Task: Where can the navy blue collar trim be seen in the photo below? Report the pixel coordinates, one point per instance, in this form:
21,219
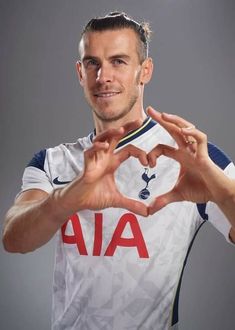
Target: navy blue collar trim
147,124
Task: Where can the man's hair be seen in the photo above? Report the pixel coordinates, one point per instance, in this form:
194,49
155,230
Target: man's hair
120,20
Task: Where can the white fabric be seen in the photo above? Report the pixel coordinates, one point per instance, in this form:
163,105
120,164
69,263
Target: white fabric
121,286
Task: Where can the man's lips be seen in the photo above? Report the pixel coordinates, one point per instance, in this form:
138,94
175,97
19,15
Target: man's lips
106,94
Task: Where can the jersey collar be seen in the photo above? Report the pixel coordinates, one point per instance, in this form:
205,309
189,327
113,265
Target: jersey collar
147,124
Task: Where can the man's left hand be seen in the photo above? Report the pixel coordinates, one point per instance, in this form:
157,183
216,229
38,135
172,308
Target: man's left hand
200,180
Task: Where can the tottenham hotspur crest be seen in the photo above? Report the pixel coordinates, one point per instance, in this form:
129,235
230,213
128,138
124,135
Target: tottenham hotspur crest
145,193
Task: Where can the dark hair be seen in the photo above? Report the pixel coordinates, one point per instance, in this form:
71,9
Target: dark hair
120,20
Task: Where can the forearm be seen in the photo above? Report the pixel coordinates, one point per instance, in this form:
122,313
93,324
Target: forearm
222,191
31,224
228,208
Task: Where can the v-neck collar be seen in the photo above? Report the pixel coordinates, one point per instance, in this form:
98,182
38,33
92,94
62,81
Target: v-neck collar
147,124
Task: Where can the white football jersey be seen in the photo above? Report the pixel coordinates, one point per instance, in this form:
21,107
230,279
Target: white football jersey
115,269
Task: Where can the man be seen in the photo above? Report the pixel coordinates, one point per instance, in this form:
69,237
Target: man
111,197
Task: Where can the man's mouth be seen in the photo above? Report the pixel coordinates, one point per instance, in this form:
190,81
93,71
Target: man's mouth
106,94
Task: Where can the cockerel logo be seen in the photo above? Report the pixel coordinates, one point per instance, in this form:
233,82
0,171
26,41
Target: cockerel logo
145,193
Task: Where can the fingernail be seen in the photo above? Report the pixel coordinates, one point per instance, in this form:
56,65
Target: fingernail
167,114
188,128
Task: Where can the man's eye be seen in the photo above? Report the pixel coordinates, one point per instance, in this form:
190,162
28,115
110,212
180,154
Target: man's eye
91,63
118,61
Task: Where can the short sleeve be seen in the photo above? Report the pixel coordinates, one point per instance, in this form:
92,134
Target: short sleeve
36,174
210,211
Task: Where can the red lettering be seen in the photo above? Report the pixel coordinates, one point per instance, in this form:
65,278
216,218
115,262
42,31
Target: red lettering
117,240
137,240
98,234
77,238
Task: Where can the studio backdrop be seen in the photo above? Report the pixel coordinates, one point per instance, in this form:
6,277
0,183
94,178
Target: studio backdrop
42,105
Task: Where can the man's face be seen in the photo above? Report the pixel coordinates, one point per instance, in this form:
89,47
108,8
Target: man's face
111,73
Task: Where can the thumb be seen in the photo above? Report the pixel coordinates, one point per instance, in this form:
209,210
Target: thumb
163,200
133,206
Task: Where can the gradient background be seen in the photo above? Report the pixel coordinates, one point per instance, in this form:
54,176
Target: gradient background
41,105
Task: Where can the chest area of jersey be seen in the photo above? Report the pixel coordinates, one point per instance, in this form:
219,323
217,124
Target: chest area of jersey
131,178
119,233
115,232
145,183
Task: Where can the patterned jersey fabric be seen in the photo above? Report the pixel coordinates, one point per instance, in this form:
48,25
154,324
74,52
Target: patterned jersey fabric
115,269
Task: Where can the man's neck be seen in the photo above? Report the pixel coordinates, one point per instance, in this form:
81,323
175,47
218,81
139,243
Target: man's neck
101,126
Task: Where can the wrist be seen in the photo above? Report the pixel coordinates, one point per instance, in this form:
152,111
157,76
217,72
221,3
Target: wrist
53,206
220,186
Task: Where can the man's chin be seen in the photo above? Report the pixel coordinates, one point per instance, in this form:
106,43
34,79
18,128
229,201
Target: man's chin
109,115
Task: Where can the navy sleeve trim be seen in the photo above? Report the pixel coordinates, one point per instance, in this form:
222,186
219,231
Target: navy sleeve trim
38,160
202,211
218,156
221,160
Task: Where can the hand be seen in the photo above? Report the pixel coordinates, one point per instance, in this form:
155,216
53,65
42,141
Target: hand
200,180
95,188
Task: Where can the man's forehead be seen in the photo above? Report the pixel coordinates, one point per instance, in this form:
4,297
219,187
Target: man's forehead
119,39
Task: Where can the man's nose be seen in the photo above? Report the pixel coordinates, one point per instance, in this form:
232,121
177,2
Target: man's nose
104,74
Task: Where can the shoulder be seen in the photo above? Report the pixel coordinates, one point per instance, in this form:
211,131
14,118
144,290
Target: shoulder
59,152
38,160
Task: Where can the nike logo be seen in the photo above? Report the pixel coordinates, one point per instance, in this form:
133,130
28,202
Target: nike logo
56,181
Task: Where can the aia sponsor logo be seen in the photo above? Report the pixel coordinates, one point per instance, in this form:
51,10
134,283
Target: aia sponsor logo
117,240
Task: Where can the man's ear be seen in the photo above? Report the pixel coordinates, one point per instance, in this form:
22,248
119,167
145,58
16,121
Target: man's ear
79,72
146,71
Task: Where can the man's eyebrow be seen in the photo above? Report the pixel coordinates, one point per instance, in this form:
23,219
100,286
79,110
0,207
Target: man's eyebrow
89,57
123,56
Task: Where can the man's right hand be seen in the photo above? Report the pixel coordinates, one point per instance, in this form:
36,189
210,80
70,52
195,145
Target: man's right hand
95,188
36,216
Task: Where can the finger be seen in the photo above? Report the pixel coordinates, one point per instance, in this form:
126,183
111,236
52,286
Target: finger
100,145
133,206
153,113
132,125
114,135
118,132
109,134
96,147
174,119
163,200
177,120
127,129
159,150
185,126
133,151
199,137
173,129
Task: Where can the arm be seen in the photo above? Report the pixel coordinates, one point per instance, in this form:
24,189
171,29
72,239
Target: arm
223,190
36,216
31,221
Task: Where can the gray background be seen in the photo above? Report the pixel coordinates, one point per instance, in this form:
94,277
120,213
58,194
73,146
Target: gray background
41,104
